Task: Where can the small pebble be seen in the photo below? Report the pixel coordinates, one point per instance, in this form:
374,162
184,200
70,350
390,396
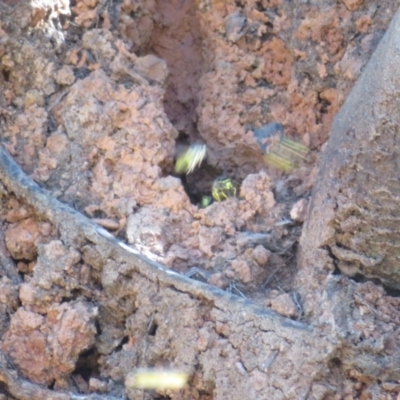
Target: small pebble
284,305
261,255
299,210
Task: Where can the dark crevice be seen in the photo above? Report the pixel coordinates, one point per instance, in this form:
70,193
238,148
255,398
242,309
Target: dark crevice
199,183
81,73
153,329
81,293
6,75
391,291
3,388
74,294
87,365
335,362
51,385
360,278
259,6
124,341
334,259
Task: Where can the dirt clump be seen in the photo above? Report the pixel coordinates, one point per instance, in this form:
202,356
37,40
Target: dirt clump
47,349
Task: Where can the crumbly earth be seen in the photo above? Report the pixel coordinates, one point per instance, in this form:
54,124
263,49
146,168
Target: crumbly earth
97,99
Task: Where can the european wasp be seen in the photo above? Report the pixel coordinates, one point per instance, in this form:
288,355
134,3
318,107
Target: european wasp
190,159
279,151
224,187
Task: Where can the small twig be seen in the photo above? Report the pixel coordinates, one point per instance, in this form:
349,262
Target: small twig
279,286
57,101
286,249
270,360
232,287
285,221
198,274
269,279
296,299
150,324
247,239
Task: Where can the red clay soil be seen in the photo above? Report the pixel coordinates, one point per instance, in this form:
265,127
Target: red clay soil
96,100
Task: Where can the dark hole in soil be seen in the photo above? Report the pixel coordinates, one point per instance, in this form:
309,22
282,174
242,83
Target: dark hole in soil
391,292
51,386
177,39
6,75
74,294
336,271
87,364
153,329
3,388
199,183
335,362
99,214
359,278
259,6
81,73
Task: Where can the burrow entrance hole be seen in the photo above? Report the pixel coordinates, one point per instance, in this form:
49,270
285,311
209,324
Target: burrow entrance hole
177,38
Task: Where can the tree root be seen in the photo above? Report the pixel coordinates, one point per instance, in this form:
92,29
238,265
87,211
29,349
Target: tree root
137,280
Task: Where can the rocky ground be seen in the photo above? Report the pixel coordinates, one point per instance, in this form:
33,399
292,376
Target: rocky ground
97,100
